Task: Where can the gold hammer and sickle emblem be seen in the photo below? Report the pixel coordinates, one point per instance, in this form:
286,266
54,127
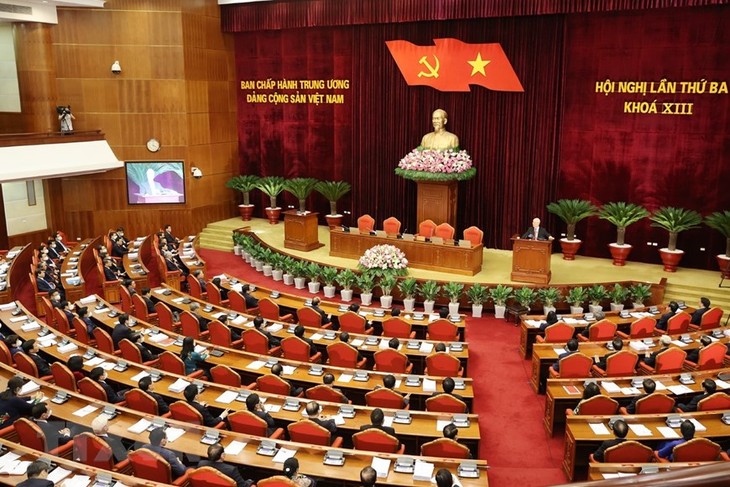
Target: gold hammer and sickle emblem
433,72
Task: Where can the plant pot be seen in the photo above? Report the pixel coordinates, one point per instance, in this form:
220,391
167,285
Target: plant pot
313,287
723,261
499,310
246,256
288,279
670,259
253,262
386,301
329,291
617,307
346,295
366,299
594,308
273,215
619,253
547,309
236,250
277,274
476,310
428,306
259,266
409,305
334,221
300,282
570,248
267,270
576,310
454,308
638,305
246,212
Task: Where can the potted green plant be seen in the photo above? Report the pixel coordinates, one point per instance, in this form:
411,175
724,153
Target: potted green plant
277,264
408,288
312,271
333,191
366,283
640,293
525,296
272,186
618,294
674,220
499,295
576,297
571,212
430,291
329,274
596,294
266,255
237,243
299,271
245,184
549,296
288,266
720,221
477,294
621,215
387,282
453,290
256,257
346,278
301,188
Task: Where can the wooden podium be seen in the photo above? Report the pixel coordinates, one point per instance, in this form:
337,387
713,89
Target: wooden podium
301,231
531,260
436,200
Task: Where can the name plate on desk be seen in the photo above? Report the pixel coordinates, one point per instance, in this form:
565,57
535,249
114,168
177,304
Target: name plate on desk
437,240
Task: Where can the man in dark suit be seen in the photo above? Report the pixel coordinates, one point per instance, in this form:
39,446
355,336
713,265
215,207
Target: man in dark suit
121,330
83,313
202,322
299,332
147,298
451,432
98,375
223,291
51,250
572,347
37,475
64,306
30,347
109,274
617,344
345,338
191,393
157,443
694,354
704,308
118,249
60,246
147,355
215,460
277,370
314,414
56,433
448,386
620,429
100,428
649,387
259,323
661,323
253,404
710,388
251,302
389,383
666,449
536,232
198,274
377,418
650,358
326,319
146,385
171,239
44,285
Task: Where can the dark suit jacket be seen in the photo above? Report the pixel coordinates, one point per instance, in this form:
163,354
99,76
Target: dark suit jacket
270,421
147,356
36,483
224,293
111,394
203,285
693,355
120,453
150,304
121,332
90,325
542,233
53,438
273,341
109,274
177,467
45,286
325,318
598,454
692,405
661,323
162,406
53,253
171,240
556,365
251,302
604,359
328,424
697,315
631,408
651,360
41,364
118,251
208,419
171,265
227,470
388,429
312,348
14,407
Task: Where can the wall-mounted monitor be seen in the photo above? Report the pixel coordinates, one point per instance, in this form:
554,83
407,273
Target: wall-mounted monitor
155,182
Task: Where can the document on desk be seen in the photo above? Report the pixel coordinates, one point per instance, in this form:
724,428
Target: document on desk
679,389
28,387
618,475
381,466
599,429
178,300
283,455
441,424
69,347
235,447
679,343
357,342
140,426
667,432
239,320
610,386
272,408
58,474
158,337
317,336
227,397
559,351
178,386
640,430
288,369
721,384
533,323
339,420
275,327
7,458
383,345
423,471
94,361
630,391
660,386
101,310
429,385
344,378
173,433
256,365
16,467
160,291
85,411
425,347
698,426
139,376
388,420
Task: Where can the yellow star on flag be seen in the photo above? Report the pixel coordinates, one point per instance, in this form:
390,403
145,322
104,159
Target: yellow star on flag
478,64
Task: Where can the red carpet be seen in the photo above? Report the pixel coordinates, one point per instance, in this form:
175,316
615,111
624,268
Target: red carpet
514,441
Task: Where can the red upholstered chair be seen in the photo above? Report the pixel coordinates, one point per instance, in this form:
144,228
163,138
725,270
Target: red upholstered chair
62,324
694,450
222,374
171,278
474,235
191,326
445,403
221,335
677,324
182,411
209,477
38,294
82,333
47,308
169,362
248,423
442,330
270,310
26,365
711,357
574,365
398,327
214,296
256,342
139,400
710,319
140,310
626,452
444,231
294,348
352,322
619,364
342,354
131,353
92,389
5,356
443,365
445,448
32,436
557,333
601,331
385,398
273,384
237,302
149,465
126,300
63,377
104,341
277,481
641,328
599,405
310,318
326,393
165,318
195,289
426,228
94,451
390,360
391,226
670,361
306,431
654,403
718,401
110,289
366,223
378,441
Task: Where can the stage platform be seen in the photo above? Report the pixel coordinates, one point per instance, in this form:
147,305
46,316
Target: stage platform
685,284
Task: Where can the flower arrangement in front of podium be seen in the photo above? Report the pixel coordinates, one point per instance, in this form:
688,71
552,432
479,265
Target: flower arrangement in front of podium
384,259
436,165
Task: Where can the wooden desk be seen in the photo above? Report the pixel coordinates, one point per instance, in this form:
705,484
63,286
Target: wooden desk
16,272
188,252
134,265
580,441
79,262
531,260
603,471
301,231
421,255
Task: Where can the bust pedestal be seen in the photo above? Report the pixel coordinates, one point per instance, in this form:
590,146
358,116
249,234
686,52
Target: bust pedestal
436,200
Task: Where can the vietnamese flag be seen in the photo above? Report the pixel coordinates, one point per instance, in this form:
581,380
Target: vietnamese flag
452,65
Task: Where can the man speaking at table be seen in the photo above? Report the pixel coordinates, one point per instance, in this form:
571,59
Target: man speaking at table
536,232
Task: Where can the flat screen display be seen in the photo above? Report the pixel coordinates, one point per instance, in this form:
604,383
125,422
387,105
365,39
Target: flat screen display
155,182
